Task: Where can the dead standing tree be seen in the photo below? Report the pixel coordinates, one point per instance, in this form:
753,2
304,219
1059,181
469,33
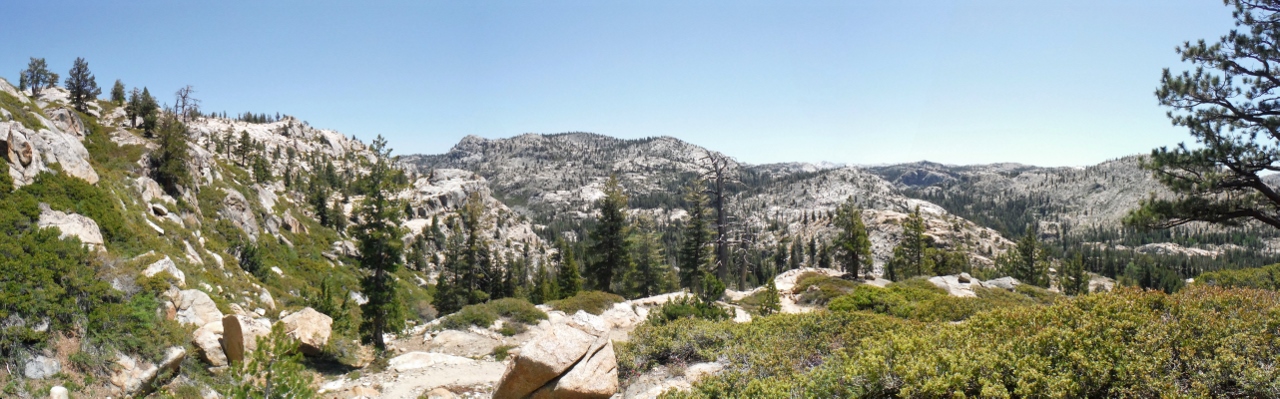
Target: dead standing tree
716,171
185,104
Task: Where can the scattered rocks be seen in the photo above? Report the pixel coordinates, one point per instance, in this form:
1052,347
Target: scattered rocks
310,328
41,367
166,265
71,225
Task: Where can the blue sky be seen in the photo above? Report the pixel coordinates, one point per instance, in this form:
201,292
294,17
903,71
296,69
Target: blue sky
864,82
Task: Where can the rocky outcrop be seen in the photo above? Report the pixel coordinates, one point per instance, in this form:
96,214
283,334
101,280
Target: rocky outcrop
1008,283
67,121
236,209
310,328
135,377
71,225
595,376
959,285
194,307
166,265
31,152
571,359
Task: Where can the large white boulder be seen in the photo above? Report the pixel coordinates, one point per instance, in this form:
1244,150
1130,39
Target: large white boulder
462,343
542,359
72,225
195,307
310,328
595,376
236,209
31,152
139,377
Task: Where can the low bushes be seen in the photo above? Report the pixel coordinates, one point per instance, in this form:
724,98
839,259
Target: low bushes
1266,277
1200,342
594,302
827,288
483,315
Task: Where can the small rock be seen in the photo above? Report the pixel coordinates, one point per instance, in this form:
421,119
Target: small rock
440,393
58,392
364,392
41,367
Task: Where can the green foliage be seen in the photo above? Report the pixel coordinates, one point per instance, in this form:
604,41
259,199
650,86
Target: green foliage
1201,342
1146,274
818,289
1028,262
18,109
36,77
764,301
1072,279
483,315
274,370
910,256
687,307
70,194
695,251
609,254
650,274
918,299
853,245
117,93
501,352
594,302
380,249
169,162
1225,105
81,86
1266,277
569,279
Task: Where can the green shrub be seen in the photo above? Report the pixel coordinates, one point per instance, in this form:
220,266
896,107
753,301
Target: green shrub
1200,342
1266,277
501,352
918,299
818,289
594,302
483,315
687,307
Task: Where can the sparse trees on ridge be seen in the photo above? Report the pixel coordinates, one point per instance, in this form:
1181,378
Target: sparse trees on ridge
36,77
81,85
117,93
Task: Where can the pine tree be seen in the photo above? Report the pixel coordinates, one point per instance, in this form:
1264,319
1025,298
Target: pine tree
609,252
81,85
36,77
1027,262
569,279
770,302
853,245
651,275
169,162
695,253
133,109
910,256
149,111
1073,280
117,93
380,249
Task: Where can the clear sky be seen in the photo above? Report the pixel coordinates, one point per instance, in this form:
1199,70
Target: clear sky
863,82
